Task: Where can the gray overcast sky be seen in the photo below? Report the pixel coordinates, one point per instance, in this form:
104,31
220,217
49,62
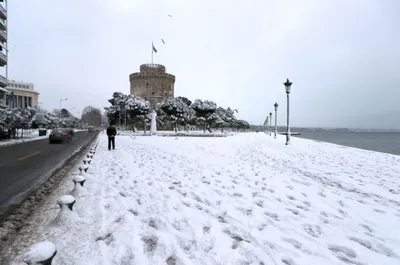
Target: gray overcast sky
343,56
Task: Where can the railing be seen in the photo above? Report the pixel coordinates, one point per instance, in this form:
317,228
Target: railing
3,34
2,24
3,102
3,80
3,57
3,10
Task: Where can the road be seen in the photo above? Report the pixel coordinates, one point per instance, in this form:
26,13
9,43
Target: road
23,166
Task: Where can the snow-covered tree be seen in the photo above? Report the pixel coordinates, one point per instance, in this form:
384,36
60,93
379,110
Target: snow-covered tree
177,111
113,112
205,113
162,117
225,118
17,118
137,109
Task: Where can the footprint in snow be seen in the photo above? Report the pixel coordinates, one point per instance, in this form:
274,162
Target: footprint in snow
290,197
344,254
313,230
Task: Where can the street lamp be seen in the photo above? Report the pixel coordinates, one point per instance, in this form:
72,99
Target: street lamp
288,85
61,100
266,123
270,122
276,119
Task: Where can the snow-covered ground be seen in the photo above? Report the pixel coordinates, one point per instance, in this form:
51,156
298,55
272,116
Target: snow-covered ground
245,199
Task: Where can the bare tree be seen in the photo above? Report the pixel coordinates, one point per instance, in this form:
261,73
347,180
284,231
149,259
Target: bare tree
91,116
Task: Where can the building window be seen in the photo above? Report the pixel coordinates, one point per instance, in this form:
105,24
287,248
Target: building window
152,93
165,94
147,85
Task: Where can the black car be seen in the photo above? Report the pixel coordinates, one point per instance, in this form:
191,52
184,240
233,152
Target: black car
61,135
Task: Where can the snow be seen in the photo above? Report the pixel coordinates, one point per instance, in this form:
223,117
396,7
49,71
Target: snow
244,199
39,252
79,178
66,199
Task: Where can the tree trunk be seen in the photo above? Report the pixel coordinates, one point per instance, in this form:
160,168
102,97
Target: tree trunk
176,127
22,132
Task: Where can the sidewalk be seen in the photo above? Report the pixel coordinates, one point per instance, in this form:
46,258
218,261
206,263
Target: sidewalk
244,199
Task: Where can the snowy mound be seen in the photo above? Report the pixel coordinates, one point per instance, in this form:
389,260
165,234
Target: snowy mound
79,178
66,199
39,252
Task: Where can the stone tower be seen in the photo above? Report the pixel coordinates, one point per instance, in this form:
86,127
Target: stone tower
152,83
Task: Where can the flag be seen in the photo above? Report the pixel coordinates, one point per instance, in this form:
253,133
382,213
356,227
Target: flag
154,48
163,41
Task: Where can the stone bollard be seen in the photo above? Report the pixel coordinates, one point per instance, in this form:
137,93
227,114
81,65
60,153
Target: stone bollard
78,179
89,160
78,190
66,201
40,253
85,168
84,161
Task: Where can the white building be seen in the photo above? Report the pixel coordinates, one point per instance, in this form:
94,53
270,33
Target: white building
24,95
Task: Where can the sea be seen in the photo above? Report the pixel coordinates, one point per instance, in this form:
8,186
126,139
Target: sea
385,142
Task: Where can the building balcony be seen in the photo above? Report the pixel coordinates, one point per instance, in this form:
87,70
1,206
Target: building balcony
3,12
2,25
3,81
3,59
3,36
3,98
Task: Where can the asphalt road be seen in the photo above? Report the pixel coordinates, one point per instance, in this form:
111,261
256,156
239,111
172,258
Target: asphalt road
23,166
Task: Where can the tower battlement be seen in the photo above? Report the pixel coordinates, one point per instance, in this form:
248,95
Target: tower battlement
152,67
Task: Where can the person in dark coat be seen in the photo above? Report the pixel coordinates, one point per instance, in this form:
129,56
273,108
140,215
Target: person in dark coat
111,132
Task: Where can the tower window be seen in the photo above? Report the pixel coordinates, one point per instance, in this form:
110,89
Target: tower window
165,93
147,85
152,93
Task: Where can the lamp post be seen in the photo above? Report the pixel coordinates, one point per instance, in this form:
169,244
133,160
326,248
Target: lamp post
266,123
288,85
276,119
270,122
61,100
